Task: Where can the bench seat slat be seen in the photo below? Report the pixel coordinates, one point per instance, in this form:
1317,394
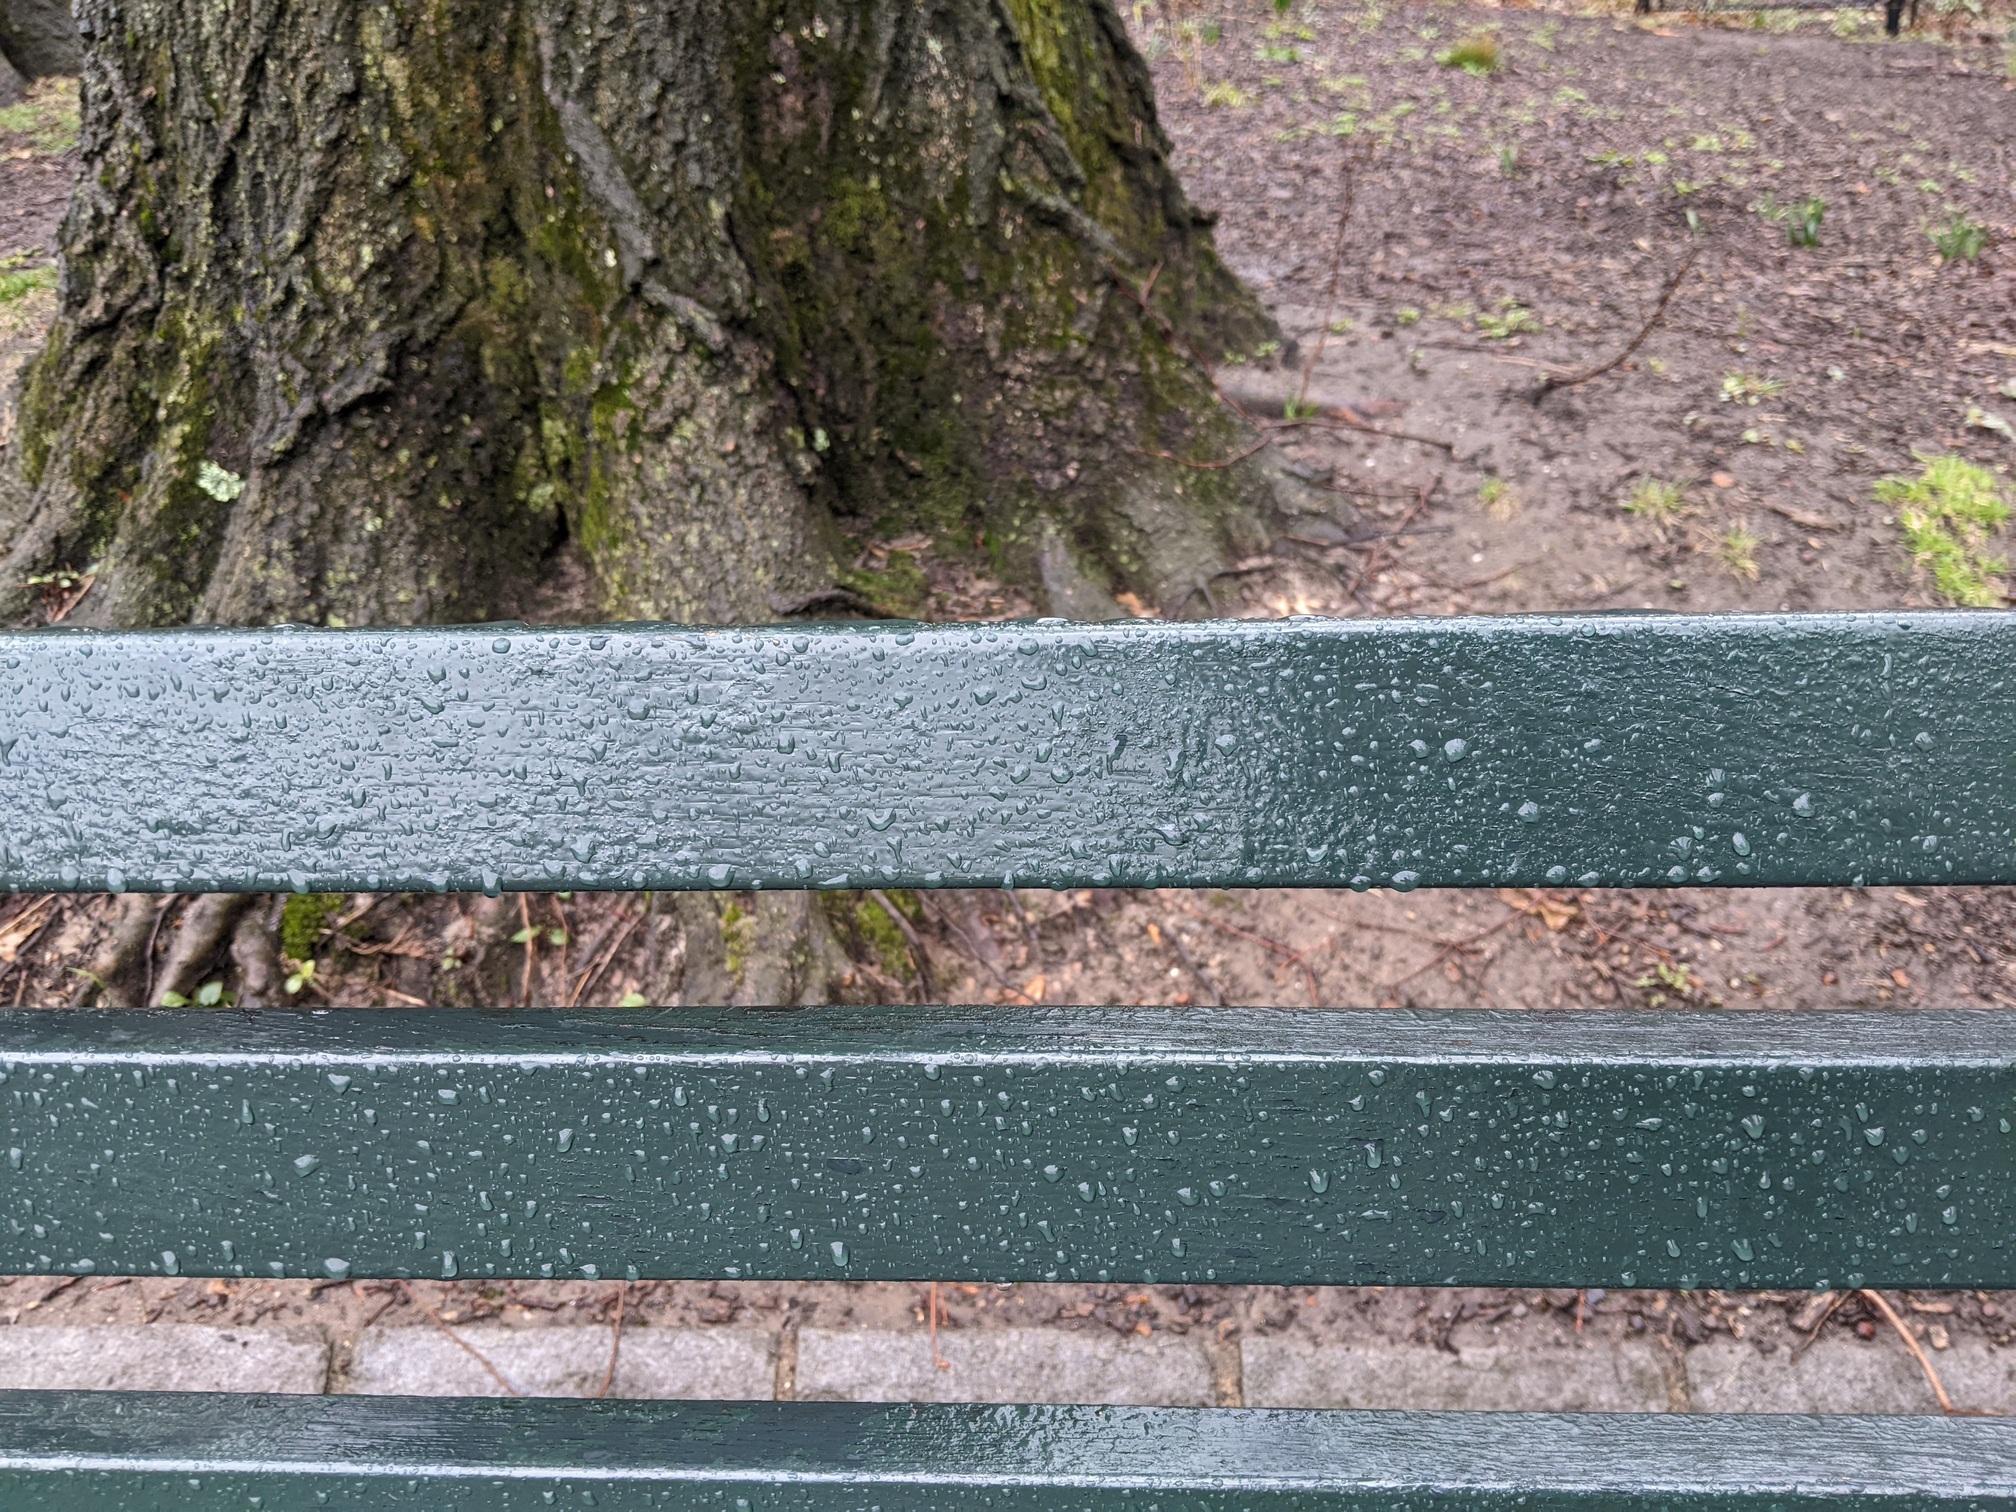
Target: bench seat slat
998,1144
1602,750
66,1452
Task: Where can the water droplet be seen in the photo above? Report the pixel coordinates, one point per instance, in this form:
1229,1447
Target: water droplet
1544,1078
1949,1215
447,1265
340,1083
1753,1125
566,1139
1051,1173
1186,1196
839,1249
169,1264
1529,812
1319,1182
1673,1248
1874,1136
447,1094
306,1163
1557,875
1743,1249
1803,805
1454,751
335,1268
1740,843
1406,881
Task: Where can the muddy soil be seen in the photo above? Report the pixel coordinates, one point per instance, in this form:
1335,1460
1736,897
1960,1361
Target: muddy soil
1501,228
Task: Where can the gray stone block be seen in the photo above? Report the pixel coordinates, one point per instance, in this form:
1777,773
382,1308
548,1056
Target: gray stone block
1842,1374
1004,1365
1534,1376
726,1364
161,1357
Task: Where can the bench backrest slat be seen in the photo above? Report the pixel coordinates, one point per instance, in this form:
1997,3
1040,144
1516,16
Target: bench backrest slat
1586,1148
1594,751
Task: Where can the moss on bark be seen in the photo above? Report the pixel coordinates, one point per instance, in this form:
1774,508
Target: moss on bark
702,287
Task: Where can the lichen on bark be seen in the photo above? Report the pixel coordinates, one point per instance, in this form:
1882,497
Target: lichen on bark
702,287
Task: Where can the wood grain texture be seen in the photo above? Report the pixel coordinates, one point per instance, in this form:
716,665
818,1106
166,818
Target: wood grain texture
1000,1144
1600,751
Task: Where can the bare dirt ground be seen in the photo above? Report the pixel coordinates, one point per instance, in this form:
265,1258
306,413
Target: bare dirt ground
1501,227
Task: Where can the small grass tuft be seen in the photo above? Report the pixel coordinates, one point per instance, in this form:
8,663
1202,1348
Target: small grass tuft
1657,501
1802,222
1480,55
1510,319
1749,388
1226,95
1948,514
47,117
1737,552
1497,498
18,281
1961,239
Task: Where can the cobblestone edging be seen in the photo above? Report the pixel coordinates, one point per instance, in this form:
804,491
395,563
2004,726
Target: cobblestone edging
1837,1374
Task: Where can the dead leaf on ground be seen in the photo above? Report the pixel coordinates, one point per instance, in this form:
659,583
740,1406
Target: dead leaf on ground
1556,913
17,929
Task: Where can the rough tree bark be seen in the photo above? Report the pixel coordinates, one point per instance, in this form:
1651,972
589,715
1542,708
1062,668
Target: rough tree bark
368,306
371,307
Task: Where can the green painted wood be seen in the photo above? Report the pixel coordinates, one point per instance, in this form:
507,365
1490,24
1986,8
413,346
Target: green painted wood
1605,750
63,1452
1585,1148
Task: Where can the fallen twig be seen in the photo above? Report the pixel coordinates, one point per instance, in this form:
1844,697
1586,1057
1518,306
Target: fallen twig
935,1304
1289,957
927,990
1877,1300
531,950
1552,380
615,1343
461,1343
601,965
73,601
1816,1312
154,935
1336,277
1804,519
944,916
1457,946
1183,954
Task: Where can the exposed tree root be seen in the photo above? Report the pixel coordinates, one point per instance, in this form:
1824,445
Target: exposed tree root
255,951
206,924
115,972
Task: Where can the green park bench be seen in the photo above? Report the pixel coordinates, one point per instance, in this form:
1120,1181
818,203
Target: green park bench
996,1144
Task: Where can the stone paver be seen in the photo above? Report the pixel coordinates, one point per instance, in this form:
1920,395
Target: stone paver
1293,1372
1837,1374
1004,1365
1840,1374
727,1364
164,1357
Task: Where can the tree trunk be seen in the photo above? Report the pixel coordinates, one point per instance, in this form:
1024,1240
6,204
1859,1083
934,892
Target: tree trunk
369,306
